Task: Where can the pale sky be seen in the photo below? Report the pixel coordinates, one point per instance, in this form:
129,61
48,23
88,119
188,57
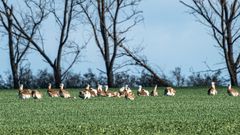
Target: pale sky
172,38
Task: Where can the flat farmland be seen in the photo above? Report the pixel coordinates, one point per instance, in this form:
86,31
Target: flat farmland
191,111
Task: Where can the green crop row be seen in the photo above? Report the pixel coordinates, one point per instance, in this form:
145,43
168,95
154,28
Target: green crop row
191,111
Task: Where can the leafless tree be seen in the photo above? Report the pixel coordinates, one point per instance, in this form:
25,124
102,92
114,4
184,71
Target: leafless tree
110,21
64,18
16,45
222,18
65,25
8,27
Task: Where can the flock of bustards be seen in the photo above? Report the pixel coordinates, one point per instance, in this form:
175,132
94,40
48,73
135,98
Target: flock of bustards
126,92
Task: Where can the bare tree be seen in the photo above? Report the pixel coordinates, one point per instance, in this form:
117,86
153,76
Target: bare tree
222,18
110,21
16,45
8,27
37,13
65,26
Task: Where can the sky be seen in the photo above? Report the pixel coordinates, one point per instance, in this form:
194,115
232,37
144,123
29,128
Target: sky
170,35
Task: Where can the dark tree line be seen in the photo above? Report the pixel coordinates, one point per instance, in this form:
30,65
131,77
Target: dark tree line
76,80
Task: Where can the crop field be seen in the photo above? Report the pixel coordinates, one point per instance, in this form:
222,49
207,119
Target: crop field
191,111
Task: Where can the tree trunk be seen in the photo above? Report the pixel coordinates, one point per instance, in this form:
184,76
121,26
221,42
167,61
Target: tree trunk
110,78
234,81
233,76
15,76
230,52
57,74
57,77
14,66
232,70
104,34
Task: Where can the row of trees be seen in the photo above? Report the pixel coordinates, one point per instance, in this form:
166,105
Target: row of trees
43,78
109,21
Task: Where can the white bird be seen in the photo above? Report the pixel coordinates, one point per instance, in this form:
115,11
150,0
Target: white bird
212,90
142,92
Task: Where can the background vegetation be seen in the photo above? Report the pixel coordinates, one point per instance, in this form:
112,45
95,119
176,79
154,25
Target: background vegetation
74,80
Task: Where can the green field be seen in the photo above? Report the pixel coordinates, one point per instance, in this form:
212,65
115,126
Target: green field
191,111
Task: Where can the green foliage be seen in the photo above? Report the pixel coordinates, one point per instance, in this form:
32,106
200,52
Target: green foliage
191,111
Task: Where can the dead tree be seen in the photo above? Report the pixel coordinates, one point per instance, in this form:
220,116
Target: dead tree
143,63
222,18
110,21
64,21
